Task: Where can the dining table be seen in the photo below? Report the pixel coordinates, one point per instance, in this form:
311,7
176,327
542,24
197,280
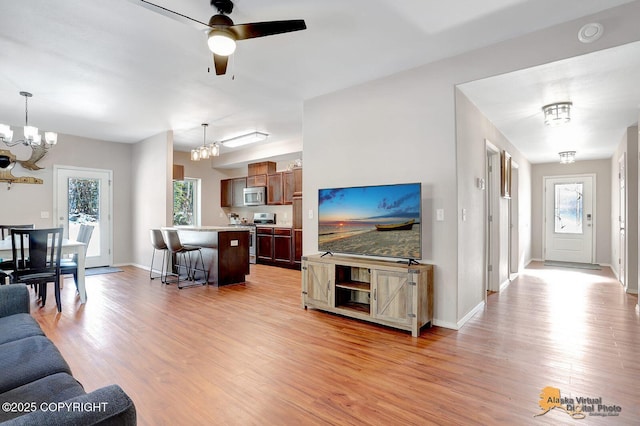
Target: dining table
68,247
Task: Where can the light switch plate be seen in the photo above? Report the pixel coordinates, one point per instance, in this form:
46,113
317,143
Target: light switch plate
440,215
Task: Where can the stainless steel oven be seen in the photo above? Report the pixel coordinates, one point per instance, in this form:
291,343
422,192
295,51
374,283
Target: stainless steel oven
259,219
252,244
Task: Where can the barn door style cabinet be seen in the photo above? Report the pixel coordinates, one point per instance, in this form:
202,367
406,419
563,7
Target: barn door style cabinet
384,292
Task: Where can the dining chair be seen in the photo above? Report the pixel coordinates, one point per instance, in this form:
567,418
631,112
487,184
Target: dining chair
70,266
36,258
183,259
5,230
6,265
157,241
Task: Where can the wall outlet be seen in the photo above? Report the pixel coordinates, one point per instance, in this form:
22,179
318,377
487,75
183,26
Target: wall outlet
440,215
44,215
310,214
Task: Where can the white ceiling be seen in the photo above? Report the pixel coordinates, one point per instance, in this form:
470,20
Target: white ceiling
112,70
603,86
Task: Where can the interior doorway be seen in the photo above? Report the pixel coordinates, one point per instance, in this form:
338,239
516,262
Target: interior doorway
569,220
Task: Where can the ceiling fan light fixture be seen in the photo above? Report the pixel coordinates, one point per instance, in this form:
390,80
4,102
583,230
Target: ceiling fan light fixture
567,157
221,42
246,139
557,114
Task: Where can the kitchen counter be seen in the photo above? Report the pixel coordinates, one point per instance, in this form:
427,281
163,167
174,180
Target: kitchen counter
225,250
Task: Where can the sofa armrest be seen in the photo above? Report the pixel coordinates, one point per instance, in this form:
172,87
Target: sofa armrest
107,406
14,299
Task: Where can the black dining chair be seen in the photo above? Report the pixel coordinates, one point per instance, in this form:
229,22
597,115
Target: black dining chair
36,259
70,266
6,265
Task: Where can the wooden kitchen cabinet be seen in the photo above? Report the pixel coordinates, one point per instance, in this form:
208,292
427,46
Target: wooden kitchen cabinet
264,244
231,192
226,193
256,180
287,187
282,246
275,193
275,246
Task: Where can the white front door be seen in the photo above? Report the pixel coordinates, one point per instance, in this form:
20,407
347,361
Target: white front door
83,196
569,219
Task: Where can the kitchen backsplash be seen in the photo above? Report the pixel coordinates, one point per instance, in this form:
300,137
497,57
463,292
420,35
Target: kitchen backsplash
283,213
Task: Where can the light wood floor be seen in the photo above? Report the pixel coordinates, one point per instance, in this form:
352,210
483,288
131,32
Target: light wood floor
250,355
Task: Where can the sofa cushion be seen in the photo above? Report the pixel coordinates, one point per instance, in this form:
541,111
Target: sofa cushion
18,326
29,359
54,388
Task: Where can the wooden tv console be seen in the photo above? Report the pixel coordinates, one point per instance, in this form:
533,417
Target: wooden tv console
384,292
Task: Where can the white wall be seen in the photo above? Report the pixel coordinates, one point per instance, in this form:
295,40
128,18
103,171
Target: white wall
629,147
472,129
152,192
402,128
602,215
24,202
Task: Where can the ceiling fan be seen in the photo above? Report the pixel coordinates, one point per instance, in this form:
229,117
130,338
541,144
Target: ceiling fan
222,33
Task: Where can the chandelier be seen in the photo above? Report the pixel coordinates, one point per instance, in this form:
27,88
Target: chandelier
31,136
205,151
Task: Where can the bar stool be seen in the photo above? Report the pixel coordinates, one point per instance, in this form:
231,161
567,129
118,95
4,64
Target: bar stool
159,245
183,259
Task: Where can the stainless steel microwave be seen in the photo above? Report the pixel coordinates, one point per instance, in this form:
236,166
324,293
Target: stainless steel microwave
255,196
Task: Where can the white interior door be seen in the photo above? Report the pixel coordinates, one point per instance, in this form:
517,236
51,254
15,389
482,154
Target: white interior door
622,218
83,196
569,219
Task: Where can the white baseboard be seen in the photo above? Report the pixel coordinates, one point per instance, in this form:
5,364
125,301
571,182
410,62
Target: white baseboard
479,307
505,284
445,324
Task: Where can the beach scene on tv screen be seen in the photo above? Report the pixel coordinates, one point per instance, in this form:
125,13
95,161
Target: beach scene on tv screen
379,220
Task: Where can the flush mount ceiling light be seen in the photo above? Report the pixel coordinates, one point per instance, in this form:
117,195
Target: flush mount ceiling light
557,114
252,137
31,136
205,151
567,157
590,32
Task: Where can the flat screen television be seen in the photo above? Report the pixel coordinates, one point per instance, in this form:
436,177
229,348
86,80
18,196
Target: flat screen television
377,220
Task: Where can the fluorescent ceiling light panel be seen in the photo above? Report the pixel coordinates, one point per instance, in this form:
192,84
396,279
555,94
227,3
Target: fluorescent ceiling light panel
245,139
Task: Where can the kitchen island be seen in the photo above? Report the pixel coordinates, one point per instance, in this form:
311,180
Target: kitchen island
225,250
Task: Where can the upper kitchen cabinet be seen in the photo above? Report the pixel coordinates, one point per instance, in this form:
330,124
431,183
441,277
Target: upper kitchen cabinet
231,192
258,172
291,185
275,189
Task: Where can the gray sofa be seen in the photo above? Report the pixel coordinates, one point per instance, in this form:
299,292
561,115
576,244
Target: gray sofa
36,385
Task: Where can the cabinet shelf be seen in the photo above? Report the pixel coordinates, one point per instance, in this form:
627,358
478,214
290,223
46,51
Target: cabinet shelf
363,308
355,285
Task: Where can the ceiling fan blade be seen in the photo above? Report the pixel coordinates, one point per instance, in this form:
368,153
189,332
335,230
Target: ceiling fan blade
261,29
220,63
172,14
